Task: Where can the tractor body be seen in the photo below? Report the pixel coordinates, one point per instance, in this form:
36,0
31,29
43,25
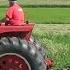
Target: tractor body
17,52
23,31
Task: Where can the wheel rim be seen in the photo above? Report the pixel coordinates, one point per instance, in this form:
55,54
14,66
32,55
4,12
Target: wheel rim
12,61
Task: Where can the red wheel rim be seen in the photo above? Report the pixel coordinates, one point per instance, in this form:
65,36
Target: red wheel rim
12,61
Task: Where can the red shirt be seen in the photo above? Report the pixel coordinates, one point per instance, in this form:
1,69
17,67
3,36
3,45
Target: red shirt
15,15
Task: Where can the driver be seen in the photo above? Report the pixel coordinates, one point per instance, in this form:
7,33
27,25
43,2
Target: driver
14,14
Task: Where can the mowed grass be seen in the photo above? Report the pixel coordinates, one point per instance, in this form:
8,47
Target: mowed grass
48,15
55,38
44,15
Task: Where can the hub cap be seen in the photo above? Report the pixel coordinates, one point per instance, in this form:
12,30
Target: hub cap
11,61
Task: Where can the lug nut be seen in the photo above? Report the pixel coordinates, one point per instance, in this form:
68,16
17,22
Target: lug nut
20,66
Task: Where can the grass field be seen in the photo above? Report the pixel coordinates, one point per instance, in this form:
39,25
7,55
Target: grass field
54,37
39,2
48,15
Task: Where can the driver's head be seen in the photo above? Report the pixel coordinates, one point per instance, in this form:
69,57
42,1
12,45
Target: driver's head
11,2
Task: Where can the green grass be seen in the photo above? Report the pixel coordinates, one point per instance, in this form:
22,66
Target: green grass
45,15
48,15
56,40
2,12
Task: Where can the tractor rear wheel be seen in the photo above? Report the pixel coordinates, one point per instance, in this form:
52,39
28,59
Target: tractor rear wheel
18,54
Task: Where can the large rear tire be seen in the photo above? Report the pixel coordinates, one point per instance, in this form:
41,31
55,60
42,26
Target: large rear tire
12,46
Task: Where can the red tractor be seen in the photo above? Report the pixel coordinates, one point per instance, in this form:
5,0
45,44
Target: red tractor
19,51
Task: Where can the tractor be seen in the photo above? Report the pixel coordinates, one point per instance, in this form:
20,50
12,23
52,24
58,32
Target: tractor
19,50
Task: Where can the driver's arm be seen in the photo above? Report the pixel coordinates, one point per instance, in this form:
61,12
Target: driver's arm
9,15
